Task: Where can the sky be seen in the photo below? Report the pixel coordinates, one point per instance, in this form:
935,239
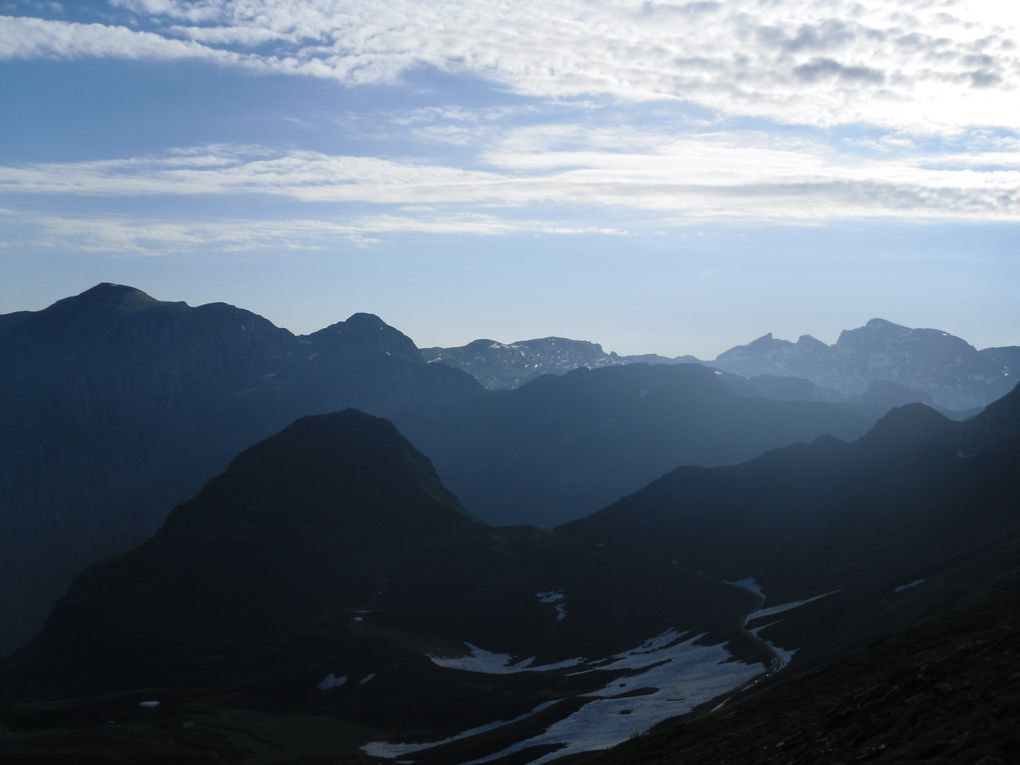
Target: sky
670,177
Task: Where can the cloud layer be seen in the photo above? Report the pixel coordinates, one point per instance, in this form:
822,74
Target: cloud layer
676,179
919,65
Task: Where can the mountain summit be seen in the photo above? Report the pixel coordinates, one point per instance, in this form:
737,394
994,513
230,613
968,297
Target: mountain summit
936,365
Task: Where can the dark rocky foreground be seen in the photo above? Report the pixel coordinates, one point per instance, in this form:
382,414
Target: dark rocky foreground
947,691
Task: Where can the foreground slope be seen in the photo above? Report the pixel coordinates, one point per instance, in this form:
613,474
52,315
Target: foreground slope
943,693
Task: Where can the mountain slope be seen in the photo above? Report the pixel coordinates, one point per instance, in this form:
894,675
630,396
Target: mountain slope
940,693
562,446
118,405
918,499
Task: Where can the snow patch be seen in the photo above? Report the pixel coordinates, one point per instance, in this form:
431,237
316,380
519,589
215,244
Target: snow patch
152,704
392,751
678,675
910,585
489,663
366,679
750,584
556,599
783,607
331,681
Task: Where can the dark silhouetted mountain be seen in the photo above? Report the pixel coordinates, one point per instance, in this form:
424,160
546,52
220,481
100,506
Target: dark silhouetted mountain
500,366
117,406
951,372
562,446
918,499
313,580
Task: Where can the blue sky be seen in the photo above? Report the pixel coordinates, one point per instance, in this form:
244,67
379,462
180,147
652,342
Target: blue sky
669,177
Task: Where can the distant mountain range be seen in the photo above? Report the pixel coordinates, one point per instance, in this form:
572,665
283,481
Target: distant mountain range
953,373
327,597
499,366
118,406
881,363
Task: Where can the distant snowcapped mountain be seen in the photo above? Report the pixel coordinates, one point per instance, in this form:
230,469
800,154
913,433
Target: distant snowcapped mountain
938,366
509,365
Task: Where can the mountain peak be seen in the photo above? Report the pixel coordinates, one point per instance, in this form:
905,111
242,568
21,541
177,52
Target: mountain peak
882,324
366,331
109,296
363,320
913,426
346,471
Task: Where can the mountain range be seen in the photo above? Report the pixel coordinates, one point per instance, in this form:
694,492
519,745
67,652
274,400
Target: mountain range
118,406
881,363
563,446
223,542
328,575
326,598
500,366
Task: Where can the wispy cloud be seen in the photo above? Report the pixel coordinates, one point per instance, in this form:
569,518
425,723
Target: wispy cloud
144,236
679,179
922,65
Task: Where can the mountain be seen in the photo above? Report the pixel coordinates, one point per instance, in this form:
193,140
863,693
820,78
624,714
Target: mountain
920,503
562,446
327,598
933,364
118,405
326,594
878,365
500,366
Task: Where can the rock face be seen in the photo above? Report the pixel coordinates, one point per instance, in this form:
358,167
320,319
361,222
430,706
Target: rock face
934,364
500,366
117,406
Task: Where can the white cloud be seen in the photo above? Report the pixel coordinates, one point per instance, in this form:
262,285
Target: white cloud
922,65
121,235
705,176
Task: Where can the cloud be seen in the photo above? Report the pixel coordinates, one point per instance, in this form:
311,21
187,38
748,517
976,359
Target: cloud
579,170
921,65
142,236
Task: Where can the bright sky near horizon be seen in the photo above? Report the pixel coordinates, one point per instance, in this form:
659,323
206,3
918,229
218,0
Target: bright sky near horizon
675,177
